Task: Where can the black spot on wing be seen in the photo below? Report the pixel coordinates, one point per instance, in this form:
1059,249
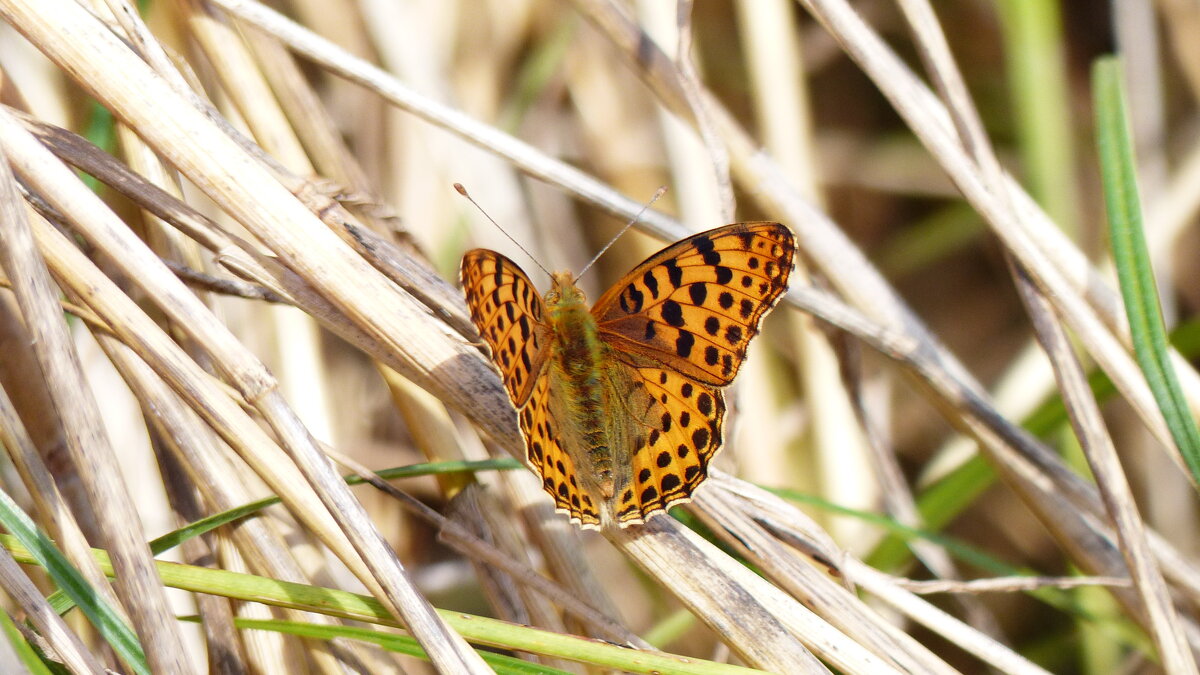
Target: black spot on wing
707,250
712,325
672,313
684,344
651,283
674,273
632,300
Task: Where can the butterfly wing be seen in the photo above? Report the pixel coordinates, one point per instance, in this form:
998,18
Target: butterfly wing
694,306
680,432
550,461
507,311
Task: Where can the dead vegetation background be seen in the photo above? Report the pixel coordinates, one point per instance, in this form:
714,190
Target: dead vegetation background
252,268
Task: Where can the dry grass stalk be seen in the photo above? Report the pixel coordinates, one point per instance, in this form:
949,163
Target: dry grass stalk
326,246
138,586
243,182
1165,625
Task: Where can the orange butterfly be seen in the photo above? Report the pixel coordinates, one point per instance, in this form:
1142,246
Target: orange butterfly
621,406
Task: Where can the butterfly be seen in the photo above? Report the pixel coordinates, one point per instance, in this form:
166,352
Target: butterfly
621,406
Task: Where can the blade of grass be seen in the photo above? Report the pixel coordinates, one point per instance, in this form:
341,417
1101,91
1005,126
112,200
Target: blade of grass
29,656
1125,633
176,537
401,644
1118,171
41,550
943,501
63,603
477,629
1037,75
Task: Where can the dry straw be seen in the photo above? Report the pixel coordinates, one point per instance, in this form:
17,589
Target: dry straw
234,177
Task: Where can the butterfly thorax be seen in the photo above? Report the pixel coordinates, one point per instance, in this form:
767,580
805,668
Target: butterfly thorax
578,361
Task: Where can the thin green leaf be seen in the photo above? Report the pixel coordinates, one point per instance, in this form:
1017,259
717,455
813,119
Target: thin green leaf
62,603
30,658
43,552
1121,632
943,501
401,644
1118,172
1041,105
172,539
475,629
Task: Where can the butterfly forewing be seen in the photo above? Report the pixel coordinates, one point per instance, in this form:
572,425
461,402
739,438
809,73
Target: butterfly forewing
507,309
695,305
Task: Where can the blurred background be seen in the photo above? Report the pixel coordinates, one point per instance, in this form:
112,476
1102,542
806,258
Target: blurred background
551,75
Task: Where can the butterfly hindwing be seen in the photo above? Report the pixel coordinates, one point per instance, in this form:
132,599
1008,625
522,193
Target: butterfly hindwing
695,305
683,430
550,461
508,311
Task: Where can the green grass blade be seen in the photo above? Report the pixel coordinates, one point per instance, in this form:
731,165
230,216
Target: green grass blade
943,501
62,603
43,551
1118,172
478,630
401,644
1124,633
174,538
1037,76
29,656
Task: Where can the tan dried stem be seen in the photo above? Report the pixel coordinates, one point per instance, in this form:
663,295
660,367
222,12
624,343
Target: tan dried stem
1084,413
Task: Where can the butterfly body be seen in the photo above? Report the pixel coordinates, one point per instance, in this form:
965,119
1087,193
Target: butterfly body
621,405
582,386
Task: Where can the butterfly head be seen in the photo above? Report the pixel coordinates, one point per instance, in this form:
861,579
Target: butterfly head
564,292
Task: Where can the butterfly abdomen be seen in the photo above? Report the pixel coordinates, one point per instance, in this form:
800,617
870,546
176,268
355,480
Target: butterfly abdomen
578,361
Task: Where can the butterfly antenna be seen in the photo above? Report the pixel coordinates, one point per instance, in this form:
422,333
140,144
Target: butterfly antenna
463,191
662,190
